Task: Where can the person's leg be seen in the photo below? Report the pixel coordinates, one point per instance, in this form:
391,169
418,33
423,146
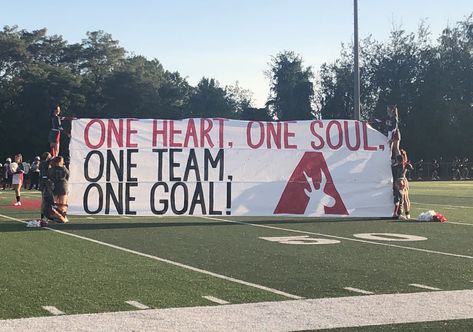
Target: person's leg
17,188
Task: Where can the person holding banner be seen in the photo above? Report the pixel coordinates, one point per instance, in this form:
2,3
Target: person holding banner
407,166
59,175
392,130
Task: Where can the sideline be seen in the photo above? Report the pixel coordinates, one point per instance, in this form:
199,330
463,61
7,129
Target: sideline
338,237
156,258
313,314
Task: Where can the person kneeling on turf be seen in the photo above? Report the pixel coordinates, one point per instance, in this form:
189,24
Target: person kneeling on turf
49,208
59,175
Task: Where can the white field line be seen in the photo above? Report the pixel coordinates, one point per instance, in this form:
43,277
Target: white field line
459,223
312,314
425,287
340,237
215,299
156,258
53,310
357,290
91,218
137,305
446,205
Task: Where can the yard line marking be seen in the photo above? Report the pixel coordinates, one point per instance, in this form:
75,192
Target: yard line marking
137,305
357,290
215,299
452,206
312,314
459,223
424,287
164,260
53,310
340,237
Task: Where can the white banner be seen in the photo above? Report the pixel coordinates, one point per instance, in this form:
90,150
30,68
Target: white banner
219,167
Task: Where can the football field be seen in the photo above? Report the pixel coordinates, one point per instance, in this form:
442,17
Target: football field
240,273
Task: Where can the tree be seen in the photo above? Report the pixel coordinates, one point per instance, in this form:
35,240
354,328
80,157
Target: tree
291,88
208,99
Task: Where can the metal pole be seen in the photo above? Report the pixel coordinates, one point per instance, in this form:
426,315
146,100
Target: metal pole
357,66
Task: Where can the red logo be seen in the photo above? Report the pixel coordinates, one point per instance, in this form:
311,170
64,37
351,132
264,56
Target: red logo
311,188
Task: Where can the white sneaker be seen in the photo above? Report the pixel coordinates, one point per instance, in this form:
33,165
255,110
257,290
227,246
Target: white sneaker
17,204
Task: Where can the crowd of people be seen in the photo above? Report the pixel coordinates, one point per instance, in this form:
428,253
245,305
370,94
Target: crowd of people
438,169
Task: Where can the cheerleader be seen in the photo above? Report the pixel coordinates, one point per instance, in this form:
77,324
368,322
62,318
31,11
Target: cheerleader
392,130
55,133
16,168
59,175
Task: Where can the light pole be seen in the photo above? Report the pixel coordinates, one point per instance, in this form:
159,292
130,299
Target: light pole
357,66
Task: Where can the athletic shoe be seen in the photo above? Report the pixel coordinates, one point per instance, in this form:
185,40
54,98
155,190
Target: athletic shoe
17,204
408,216
402,217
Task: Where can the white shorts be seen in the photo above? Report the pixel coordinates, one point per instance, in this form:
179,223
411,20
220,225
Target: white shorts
17,179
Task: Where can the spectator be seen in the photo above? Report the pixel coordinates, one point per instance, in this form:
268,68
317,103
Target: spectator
420,169
34,171
16,169
6,174
435,170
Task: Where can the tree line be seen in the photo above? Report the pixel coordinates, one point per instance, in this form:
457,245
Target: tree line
430,81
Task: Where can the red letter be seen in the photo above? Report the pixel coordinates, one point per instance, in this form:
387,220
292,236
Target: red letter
173,132
163,132
365,139
204,132
190,132
288,134
340,136
129,132
248,135
275,133
221,126
102,134
118,133
312,130
357,136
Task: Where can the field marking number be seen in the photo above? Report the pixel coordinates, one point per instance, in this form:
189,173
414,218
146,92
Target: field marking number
306,240
301,239
389,237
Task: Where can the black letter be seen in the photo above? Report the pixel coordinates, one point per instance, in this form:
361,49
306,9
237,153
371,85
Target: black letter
110,193
219,159
173,198
129,198
198,198
163,201
173,165
160,162
86,198
130,165
86,166
118,168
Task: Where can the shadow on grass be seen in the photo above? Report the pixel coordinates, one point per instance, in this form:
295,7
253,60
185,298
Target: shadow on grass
12,226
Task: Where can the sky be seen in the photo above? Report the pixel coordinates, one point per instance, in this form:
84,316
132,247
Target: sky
231,40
